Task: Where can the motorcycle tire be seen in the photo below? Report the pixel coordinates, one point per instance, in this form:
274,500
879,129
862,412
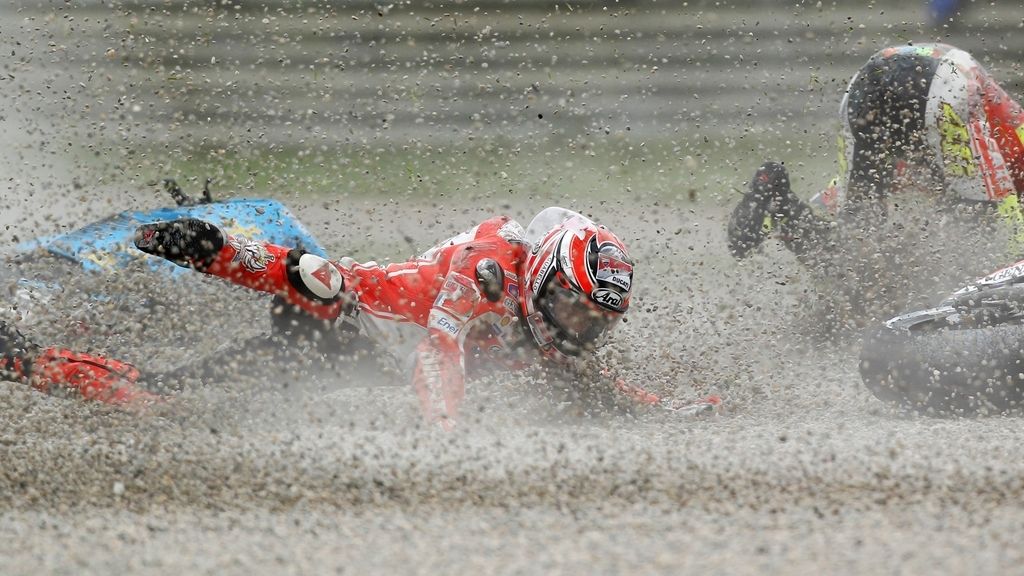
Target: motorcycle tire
947,372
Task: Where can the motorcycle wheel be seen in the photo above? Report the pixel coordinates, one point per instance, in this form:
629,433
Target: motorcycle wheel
947,372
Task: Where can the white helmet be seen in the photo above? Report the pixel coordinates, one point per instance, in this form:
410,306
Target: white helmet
576,283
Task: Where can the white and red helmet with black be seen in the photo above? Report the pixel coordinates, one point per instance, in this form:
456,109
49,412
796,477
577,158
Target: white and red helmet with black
576,284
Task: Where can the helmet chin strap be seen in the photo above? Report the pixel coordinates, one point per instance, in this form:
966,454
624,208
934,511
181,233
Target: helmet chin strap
546,341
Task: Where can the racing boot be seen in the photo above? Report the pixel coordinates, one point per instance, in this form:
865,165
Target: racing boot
768,203
189,242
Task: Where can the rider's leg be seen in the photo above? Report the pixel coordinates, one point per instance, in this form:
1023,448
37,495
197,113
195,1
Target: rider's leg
313,315
974,131
887,114
869,110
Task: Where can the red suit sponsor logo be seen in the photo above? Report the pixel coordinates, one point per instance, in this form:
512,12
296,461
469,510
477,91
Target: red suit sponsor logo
251,255
459,296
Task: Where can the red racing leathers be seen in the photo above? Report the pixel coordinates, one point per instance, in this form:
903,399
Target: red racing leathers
461,302
467,318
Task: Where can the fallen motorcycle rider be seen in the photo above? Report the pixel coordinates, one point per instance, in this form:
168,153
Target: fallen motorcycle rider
927,117
496,297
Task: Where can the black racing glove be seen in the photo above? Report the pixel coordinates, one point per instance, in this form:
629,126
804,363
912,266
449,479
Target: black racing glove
769,199
188,242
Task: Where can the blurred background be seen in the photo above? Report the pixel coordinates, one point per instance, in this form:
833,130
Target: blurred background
483,103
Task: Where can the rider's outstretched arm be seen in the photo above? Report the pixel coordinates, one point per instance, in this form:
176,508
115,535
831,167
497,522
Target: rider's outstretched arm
305,280
644,397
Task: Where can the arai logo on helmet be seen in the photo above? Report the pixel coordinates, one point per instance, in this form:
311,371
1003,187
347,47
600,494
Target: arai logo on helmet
608,298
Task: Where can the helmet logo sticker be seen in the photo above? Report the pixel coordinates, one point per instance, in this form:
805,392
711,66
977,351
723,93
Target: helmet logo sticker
608,298
458,297
541,275
613,268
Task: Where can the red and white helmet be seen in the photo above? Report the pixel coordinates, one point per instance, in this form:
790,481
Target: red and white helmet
576,282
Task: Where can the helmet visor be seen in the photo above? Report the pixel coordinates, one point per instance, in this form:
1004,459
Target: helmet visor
576,317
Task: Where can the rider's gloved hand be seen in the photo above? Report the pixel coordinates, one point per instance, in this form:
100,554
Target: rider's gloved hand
768,200
708,405
50,369
188,242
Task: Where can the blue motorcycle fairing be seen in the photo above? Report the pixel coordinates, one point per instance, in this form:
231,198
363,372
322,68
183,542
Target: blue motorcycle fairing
107,244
